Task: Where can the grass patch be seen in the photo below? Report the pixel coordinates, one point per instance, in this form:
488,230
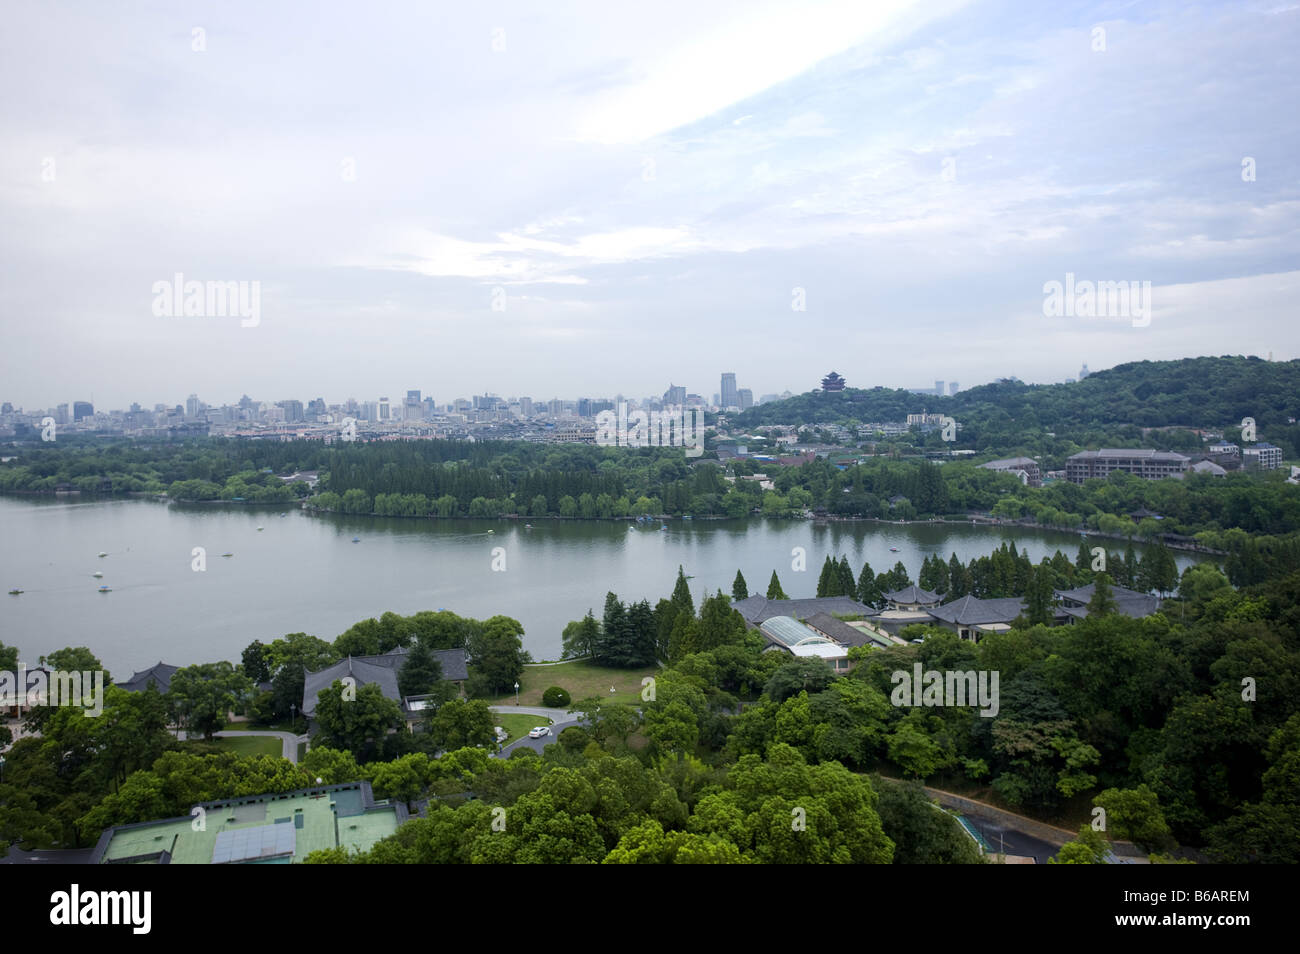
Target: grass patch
252,745
517,724
581,679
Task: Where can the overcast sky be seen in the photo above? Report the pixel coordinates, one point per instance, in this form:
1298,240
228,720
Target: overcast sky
640,189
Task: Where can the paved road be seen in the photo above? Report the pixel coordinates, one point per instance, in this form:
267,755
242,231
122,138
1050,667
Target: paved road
289,741
555,715
1004,838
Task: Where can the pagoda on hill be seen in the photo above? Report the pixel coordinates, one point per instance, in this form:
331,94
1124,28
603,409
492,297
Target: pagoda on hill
832,382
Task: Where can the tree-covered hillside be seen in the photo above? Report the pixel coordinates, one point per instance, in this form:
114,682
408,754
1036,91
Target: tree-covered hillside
1192,392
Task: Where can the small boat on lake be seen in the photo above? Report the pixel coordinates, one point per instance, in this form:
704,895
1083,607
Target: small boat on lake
893,549
260,529
15,592
528,526
227,554
105,589
103,554
97,575
356,539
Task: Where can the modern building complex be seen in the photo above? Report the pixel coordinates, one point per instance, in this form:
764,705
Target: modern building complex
276,829
1147,464
1261,456
728,396
1026,468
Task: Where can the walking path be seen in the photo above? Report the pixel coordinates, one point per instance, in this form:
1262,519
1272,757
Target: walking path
288,740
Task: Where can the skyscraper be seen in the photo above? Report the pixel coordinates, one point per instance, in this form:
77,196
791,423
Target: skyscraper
746,398
82,409
675,395
953,387
938,388
728,397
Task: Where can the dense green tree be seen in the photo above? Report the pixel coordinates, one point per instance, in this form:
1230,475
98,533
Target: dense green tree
739,590
774,591
921,835
459,723
421,672
350,720
1103,598
201,697
254,661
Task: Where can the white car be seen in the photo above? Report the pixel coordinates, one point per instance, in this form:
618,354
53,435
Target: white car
539,732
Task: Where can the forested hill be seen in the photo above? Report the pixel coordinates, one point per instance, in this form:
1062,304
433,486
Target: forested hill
1191,392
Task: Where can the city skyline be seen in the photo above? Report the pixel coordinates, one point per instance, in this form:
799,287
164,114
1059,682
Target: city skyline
397,396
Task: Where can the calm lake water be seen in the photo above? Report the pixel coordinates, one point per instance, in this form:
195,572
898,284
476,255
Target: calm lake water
303,573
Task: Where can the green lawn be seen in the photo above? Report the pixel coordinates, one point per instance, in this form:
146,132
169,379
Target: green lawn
517,724
252,745
581,679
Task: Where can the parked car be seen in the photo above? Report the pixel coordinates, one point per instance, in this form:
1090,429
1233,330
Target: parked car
539,731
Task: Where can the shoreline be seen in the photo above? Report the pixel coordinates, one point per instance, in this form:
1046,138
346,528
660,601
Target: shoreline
975,519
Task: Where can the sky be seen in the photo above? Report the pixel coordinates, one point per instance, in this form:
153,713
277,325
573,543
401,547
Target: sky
591,199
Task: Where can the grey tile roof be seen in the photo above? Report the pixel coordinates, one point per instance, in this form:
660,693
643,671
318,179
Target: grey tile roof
756,609
381,669
160,674
913,594
363,672
1128,602
970,611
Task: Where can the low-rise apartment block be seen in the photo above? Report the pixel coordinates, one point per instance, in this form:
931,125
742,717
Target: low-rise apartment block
1140,462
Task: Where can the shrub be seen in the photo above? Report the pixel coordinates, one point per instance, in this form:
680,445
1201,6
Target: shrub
555,697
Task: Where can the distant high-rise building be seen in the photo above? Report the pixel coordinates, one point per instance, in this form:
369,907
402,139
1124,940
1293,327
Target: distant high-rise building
728,396
292,410
953,387
832,382
526,406
938,388
1084,372
61,415
746,398
412,407
6,408
82,409
675,395
385,411
192,406
584,407
717,399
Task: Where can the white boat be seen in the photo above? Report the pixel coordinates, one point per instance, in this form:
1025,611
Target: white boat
103,554
97,575
260,529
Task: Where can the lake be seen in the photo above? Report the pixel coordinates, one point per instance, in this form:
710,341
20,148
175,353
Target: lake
303,573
